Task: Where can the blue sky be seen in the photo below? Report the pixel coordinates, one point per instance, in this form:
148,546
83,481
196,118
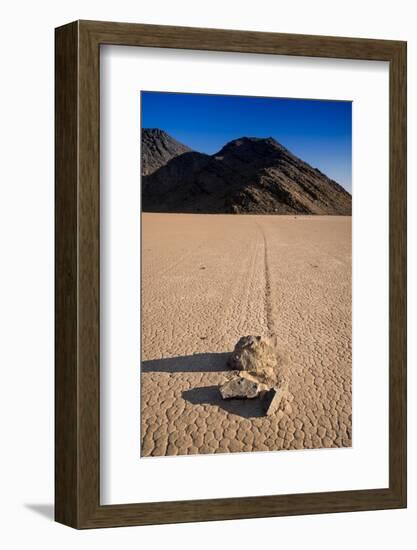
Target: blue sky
318,131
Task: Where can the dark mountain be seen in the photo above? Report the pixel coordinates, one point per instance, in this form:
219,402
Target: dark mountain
248,175
158,148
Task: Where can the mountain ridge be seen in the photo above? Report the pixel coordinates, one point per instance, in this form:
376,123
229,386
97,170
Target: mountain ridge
247,175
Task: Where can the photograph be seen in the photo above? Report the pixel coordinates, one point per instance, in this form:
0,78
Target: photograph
246,274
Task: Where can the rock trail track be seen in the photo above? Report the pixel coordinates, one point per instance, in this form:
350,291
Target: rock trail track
207,280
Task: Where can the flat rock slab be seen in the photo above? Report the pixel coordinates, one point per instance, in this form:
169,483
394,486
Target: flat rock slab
273,400
240,388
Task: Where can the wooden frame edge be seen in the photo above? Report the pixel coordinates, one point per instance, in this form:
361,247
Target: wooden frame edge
66,276
398,272
77,274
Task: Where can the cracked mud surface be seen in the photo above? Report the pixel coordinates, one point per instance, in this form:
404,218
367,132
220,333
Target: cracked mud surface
207,280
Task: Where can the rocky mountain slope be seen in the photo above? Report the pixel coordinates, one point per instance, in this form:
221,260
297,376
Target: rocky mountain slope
248,175
158,148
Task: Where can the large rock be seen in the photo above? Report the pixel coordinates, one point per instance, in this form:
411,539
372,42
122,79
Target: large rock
256,354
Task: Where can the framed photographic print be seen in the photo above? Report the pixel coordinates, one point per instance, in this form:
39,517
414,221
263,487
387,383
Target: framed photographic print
230,274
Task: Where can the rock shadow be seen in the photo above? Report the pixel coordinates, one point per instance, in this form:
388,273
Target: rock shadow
200,362
210,395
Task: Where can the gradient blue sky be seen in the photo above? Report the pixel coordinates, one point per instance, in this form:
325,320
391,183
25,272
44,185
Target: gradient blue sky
318,131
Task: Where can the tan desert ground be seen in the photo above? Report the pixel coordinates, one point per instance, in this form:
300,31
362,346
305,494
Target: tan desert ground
207,280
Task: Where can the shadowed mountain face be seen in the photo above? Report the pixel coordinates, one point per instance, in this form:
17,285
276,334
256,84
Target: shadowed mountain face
158,148
248,175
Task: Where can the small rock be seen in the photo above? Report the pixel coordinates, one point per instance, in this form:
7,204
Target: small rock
240,388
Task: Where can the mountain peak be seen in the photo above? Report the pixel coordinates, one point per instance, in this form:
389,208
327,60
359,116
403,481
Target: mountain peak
154,132
252,139
251,145
158,147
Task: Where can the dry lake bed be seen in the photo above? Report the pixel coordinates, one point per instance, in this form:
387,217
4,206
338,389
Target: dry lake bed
207,280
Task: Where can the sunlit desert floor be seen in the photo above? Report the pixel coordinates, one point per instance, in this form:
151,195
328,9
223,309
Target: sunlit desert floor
207,280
